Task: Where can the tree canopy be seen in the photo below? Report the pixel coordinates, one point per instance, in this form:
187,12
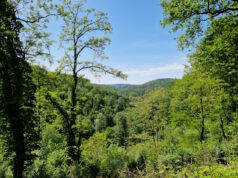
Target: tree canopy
59,124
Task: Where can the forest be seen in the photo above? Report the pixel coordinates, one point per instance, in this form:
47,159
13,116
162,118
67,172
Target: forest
57,124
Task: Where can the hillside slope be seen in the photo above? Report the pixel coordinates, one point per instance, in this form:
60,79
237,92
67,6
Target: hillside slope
136,90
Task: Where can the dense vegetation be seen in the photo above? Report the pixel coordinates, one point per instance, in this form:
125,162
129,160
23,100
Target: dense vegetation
139,90
58,124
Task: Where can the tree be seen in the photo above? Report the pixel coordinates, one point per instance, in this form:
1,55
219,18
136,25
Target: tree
121,130
216,54
17,92
21,39
200,102
79,33
190,103
214,23
193,16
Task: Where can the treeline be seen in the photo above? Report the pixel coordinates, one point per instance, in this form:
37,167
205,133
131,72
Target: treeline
139,90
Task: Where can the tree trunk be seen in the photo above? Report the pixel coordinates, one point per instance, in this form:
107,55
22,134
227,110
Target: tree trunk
202,116
12,92
157,134
20,152
71,143
71,133
222,127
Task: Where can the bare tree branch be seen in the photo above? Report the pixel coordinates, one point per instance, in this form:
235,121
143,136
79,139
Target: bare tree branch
102,69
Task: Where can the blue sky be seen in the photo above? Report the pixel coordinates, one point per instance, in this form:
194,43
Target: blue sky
140,46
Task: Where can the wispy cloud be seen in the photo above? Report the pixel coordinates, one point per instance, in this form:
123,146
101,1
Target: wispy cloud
139,75
166,69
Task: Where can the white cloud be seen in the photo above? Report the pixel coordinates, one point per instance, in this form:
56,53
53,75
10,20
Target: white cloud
143,74
156,70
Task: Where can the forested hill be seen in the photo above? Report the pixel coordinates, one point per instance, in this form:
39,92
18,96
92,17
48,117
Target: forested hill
136,90
56,124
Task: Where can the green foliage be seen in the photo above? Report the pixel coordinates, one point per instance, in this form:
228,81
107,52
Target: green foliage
121,130
52,157
139,90
82,29
96,105
18,122
191,17
216,54
101,157
58,124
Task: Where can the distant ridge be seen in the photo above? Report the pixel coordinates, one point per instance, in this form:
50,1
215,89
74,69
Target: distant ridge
136,90
121,86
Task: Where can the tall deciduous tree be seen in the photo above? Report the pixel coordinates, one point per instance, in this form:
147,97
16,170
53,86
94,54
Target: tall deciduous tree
21,37
217,55
192,103
80,32
17,91
215,22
